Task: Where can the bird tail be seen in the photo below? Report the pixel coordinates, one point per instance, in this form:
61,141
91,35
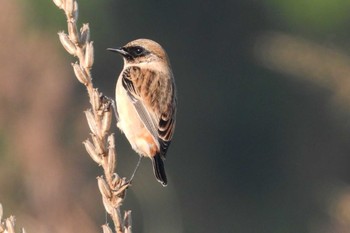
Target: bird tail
158,169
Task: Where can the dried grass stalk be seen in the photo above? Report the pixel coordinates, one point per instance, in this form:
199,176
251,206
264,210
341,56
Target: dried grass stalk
101,147
7,225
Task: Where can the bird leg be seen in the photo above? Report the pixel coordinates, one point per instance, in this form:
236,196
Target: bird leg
137,166
114,108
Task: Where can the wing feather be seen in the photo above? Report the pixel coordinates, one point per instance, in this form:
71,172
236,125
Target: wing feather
154,98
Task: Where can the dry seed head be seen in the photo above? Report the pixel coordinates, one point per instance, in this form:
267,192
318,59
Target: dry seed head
106,229
10,226
89,55
91,121
79,73
96,100
88,75
73,31
103,187
106,121
127,221
116,214
89,147
67,43
99,146
127,216
121,190
59,3
107,205
111,154
75,11
84,34
118,202
111,160
12,219
111,142
116,181
69,8
127,229
1,212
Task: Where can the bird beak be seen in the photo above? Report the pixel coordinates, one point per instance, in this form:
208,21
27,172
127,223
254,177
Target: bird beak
120,51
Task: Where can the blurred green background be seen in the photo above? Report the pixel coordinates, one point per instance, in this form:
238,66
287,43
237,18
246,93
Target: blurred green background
263,125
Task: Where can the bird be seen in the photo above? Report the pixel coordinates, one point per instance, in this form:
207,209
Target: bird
146,101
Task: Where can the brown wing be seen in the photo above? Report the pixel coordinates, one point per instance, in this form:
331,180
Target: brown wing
154,97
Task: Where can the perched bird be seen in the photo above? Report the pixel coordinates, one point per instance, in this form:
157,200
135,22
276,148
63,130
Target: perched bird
146,101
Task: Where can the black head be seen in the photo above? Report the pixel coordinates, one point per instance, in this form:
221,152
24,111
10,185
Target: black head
131,52
141,51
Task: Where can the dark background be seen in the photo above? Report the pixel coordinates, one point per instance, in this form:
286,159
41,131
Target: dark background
261,143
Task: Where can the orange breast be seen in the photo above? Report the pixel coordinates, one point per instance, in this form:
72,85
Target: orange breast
151,146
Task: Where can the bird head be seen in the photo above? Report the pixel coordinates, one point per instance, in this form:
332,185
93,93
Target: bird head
141,51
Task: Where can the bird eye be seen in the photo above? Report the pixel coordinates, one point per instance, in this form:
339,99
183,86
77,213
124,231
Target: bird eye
138,50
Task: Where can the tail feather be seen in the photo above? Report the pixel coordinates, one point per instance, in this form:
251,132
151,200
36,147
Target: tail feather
158,169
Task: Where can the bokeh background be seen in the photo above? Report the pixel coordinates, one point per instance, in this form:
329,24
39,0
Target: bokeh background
263,129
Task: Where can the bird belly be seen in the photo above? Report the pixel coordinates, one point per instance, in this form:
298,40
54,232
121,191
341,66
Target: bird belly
131,125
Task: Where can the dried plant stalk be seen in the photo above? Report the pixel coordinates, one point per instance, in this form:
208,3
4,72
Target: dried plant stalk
101,147
7,225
